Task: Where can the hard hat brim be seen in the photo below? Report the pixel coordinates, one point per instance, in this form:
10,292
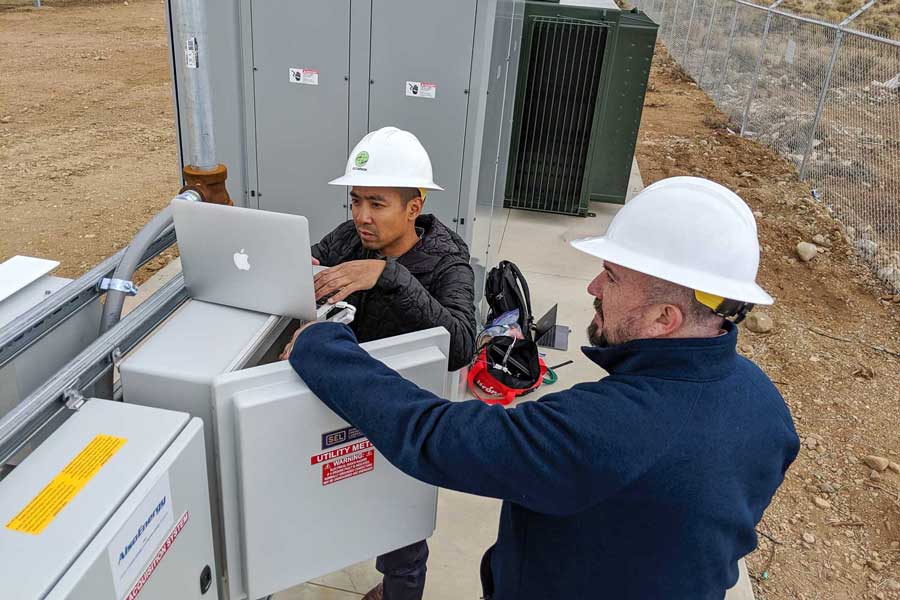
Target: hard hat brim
605,249
364,179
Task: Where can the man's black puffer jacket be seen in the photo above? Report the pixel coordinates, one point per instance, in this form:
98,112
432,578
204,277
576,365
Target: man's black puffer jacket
432,285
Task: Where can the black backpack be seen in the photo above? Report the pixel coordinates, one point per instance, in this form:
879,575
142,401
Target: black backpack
506,290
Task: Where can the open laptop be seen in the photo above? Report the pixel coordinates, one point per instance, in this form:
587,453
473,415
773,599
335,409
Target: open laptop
246,258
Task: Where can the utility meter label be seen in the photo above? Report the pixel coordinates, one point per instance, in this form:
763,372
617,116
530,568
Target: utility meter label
304,76
345,462
63,488
421,89
142,534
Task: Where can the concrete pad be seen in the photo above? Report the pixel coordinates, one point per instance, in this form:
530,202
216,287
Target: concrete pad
315,592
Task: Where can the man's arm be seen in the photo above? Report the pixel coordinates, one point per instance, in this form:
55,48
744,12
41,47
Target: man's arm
452,306
556,456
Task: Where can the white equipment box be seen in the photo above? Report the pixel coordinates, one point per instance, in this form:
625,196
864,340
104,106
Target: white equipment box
111,505
298,492
25,282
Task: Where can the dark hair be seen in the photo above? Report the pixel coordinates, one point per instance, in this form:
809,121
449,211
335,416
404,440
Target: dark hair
407,194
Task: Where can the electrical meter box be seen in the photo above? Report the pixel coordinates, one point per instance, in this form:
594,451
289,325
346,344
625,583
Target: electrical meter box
297,492
112,505
295,85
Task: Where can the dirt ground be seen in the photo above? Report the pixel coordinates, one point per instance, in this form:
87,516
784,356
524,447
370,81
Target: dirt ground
88,155
87,138
833,529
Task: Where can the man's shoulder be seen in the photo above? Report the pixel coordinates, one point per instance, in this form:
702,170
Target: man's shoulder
342,241
441,241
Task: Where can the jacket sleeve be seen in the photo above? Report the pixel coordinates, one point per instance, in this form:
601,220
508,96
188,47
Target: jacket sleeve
452,305
542,455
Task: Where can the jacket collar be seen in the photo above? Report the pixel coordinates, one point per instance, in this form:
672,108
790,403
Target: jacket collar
688,359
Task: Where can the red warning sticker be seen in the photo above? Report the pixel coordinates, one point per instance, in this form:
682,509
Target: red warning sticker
348,466
345,462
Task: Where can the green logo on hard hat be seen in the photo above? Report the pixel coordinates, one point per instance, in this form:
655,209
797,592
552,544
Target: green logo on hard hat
362,158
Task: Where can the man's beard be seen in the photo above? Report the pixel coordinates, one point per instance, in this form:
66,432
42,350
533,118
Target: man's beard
596,333
605,336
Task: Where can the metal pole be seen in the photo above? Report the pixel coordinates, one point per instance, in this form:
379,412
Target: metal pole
759,61
672,27
730,47
37,3
662,12
709,32
687,37
191,28
820,106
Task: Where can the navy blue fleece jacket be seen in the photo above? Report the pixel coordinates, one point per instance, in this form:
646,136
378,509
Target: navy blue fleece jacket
646,484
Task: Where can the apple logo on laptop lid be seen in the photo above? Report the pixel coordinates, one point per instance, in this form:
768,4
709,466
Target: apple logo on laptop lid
242,260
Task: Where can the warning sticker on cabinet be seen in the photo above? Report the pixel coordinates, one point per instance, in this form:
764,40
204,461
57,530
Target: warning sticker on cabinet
304,76
345,462
421,89
51,500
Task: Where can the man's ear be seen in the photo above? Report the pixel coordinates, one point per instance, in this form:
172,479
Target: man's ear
414,208
665,319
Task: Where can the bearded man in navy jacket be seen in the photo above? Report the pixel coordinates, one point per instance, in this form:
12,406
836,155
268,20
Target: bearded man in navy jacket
646,484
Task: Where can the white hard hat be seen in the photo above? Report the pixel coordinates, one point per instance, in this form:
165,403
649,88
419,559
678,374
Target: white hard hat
689,231
389,157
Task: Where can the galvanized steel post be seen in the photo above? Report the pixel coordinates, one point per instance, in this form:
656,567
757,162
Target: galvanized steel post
672,27
737,7
191,28
759,61
687,36
709,31
826,85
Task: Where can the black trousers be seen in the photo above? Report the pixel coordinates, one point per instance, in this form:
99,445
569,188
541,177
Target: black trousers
404,572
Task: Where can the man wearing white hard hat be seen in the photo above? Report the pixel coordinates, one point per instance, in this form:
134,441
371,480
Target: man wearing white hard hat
403,271
645,484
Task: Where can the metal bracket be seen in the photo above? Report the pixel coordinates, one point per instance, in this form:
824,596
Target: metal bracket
73,399
118,285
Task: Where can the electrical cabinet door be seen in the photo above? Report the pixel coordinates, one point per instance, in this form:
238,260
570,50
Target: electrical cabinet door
301,61
303,493
421,64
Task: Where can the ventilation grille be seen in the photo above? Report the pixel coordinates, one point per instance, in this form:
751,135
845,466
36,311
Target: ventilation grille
557,114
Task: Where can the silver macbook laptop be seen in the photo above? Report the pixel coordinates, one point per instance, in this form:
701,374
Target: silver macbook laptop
246,258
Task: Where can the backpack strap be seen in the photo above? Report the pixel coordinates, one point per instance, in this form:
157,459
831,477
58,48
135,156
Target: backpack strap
520,285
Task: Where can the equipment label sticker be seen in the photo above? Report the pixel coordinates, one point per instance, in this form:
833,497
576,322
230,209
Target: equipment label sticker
160,554
191,53
421,89
57,494
341,436
345,462
304,76
142,533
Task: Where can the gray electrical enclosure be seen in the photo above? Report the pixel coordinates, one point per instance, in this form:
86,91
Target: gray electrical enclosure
297,84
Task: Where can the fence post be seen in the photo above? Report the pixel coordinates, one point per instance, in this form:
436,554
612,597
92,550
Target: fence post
37,3
737,7
709,30
759,61
820,106
687,37
672,27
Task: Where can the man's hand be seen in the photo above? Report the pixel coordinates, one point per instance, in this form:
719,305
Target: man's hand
315,261
286,353
347,278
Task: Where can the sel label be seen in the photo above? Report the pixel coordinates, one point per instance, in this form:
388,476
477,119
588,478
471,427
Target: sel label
421,89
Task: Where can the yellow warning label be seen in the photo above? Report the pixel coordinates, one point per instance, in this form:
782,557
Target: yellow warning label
44,507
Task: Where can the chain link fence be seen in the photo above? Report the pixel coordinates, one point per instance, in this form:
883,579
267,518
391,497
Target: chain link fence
824,95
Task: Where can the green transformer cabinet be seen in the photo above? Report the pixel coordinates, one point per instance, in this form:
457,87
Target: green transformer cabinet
582,78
